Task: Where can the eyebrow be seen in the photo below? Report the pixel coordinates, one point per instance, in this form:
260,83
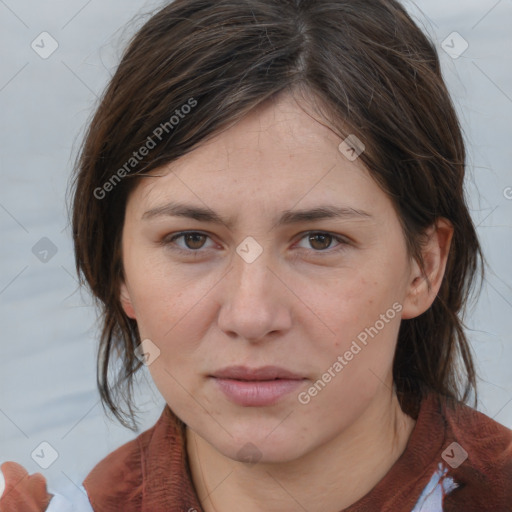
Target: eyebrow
288,217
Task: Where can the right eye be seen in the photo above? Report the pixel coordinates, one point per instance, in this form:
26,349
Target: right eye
193,241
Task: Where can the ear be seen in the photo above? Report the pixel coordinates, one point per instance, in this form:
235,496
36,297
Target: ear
435,255
126,301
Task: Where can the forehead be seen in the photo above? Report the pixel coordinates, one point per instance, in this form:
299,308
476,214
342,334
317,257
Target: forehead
279,155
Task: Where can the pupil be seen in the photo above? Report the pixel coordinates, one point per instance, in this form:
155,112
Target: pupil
190,240
321,236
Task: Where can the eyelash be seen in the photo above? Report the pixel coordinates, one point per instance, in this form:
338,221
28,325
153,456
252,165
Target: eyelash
168,241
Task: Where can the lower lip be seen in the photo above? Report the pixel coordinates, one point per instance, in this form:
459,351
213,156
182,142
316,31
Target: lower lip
257,393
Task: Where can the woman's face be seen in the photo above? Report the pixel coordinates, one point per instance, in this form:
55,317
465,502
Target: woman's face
318,296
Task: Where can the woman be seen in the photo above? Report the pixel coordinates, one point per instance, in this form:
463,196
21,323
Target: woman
269,208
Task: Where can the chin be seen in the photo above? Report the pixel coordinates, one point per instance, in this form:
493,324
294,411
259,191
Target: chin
256,446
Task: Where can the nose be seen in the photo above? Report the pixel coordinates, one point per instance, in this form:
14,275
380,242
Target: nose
255,301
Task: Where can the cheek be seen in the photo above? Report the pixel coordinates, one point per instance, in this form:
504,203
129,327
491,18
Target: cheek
355,301
360,361
162,296
363,314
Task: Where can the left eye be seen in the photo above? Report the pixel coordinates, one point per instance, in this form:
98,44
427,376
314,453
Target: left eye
194,241
321,241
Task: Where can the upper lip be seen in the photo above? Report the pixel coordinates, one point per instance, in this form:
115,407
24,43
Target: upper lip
253,374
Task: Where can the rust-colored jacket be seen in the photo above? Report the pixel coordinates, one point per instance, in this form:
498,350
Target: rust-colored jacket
456,460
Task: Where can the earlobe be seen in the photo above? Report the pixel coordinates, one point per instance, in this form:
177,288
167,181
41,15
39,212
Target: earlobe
435,253
126,301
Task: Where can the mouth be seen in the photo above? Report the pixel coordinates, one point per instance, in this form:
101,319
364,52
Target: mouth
257,387
265,373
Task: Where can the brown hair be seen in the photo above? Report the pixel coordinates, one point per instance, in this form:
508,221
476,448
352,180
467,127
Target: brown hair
373,73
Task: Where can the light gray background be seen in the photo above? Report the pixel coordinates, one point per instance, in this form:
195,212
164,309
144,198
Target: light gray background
48,342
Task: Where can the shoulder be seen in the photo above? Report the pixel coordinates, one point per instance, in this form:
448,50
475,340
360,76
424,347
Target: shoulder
478,454
117,481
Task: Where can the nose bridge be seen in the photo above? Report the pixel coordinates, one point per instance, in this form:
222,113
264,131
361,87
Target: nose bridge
251,262
253,278
251,274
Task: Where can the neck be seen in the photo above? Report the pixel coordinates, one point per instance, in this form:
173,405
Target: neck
329,479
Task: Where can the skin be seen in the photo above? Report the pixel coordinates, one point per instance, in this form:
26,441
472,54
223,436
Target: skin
22,491
299,305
